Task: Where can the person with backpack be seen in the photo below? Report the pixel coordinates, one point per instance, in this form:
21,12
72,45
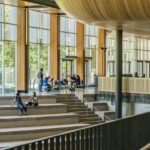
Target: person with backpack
40,78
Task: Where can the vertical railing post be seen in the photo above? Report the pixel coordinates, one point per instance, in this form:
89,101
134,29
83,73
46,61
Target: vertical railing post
73,140
78,140
33,146
40,145
68,141
63,143
86,139
82,140
57,143
91,138
46,144
52,144
95,138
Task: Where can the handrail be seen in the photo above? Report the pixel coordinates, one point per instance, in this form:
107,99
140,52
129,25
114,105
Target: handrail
66,93
92,134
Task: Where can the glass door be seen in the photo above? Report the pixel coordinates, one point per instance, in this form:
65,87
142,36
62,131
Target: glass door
147,69
87,73
67,68
140,68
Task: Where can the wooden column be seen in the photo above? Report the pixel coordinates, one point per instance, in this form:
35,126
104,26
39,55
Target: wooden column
80,51
54,46
101,53
22,51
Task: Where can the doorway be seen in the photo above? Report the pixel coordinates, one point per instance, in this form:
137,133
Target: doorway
67,68
87,72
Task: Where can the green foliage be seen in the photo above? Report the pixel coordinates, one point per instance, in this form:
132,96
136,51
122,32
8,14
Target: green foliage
33,59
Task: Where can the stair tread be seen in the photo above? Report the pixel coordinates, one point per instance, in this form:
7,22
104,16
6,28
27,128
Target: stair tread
40,105
2,118
39,128
12,143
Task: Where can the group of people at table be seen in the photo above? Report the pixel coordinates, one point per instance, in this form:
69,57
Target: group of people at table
50,83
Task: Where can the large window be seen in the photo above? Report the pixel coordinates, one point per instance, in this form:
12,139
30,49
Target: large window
135,57
67,46
8,42
39,45
91,47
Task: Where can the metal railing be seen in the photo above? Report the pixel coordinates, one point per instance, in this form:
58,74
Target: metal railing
130,133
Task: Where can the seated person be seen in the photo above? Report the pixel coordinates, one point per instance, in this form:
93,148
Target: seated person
33,100
136,74
78,80
21,107
46,83
52,82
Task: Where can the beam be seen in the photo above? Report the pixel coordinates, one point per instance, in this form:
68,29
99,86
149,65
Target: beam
49,3
119,73
22,52
54,47
80,51
101,52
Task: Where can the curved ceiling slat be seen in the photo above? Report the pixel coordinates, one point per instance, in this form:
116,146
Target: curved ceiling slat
127,14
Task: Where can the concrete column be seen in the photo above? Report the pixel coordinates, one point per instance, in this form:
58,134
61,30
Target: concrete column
119,73
80,51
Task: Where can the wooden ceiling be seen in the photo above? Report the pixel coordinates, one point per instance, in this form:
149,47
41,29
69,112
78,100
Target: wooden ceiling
130,15
32,6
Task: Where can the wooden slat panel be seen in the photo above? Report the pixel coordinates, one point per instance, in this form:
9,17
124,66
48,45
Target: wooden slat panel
130,15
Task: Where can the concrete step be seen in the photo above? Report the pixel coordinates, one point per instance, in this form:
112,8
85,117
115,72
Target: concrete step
7,110
12,144
89,97
64,100
74,103
31,133
89,119
88,115
61,94
93,122
68,100
100,106
109,115
44,99
77,106
78,109
38,120
84,112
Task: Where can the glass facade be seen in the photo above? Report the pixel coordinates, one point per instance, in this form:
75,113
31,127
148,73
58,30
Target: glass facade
39,45
8,43
91,48
136,55
67,46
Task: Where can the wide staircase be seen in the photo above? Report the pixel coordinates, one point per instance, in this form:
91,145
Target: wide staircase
49,118
77,106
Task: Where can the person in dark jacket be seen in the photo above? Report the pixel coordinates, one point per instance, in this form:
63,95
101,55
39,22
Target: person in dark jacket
40,78
21,107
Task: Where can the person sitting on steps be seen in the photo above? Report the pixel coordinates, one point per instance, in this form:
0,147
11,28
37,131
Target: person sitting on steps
21,107
33,100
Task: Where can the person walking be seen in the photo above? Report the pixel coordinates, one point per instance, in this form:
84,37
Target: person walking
40,78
